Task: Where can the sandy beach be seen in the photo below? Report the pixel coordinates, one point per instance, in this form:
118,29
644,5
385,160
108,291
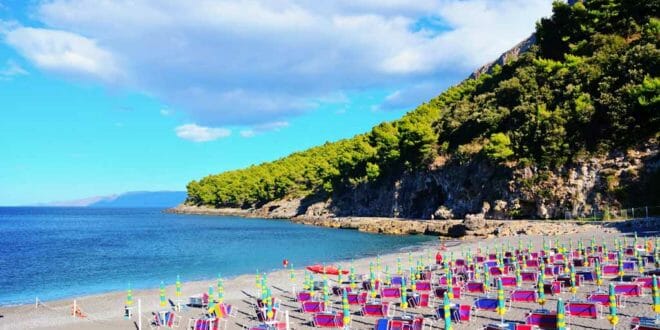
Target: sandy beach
105,311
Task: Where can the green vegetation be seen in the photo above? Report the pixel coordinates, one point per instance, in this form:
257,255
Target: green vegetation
589,85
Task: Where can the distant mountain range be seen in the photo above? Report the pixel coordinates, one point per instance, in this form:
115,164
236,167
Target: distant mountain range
129,199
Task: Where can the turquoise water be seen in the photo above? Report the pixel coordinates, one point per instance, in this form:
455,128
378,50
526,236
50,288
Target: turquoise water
56,253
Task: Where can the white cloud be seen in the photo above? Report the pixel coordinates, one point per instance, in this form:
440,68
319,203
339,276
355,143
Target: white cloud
64,52
225,67
196,133
12,69
165,112
262,128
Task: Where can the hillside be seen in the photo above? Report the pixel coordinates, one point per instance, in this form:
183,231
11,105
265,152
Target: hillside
162,199
568,126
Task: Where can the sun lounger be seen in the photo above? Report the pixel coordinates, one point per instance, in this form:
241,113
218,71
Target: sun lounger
312,306
378,309
328,320
485,304
532,263
508,281
628,289
357,298
645,282
604,299
396,280
475,287
303,296
528,277
423,285
610,270
643,323
523,296
390,293
589,310
204,324
440,291
542,320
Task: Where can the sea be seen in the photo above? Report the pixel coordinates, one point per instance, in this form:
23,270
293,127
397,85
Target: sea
55,253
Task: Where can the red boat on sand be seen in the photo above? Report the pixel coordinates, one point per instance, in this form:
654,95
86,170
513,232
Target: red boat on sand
329,270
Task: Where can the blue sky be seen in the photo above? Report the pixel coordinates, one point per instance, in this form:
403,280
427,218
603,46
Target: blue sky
102,97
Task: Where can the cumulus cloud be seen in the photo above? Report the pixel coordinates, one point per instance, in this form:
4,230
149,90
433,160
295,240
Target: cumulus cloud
258,61
196,133
64,52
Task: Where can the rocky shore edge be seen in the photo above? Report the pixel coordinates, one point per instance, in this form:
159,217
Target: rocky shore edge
473,226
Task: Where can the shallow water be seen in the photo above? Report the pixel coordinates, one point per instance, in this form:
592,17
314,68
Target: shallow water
56,253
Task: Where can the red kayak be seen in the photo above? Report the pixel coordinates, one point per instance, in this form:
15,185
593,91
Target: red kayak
329,270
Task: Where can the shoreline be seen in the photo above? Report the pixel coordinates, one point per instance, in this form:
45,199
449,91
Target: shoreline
474,227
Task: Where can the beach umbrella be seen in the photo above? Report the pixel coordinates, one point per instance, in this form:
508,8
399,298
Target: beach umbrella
529,245
640,265
177,292
372,283
428,257
257,281
129,296
599,273
524,261
404,295
520,245
486,277
635,242
211,301
388,280
451,259
292,277
620,265
163,300
570,246
542,268
450,285
379,266
573,282
346,308
398,266
326,293
269,305
501,304
613,318
540,290
220,293
605,257
566,269
518,275
655,293
351,277
410,259
561,315
447,309
413,281
305,281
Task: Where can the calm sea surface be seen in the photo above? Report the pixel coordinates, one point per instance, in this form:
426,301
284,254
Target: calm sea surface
63,252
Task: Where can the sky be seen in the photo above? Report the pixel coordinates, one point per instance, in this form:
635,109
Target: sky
99,97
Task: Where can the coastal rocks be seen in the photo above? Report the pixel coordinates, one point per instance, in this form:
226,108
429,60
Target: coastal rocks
443,213
474,222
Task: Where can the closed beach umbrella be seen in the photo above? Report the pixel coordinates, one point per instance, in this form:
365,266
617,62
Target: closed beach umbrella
561,315
486,277
326,293
520,246
413,282
599,273
501,305
450,285
620,264
613,318
220,294
211,304
338,274
540,290
447,309
129,296
345,307
410,259
404,296
573,282
177,286
398,266
518,275
524,261
388,280
605,257
163,301
269,305
640,264
656,297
